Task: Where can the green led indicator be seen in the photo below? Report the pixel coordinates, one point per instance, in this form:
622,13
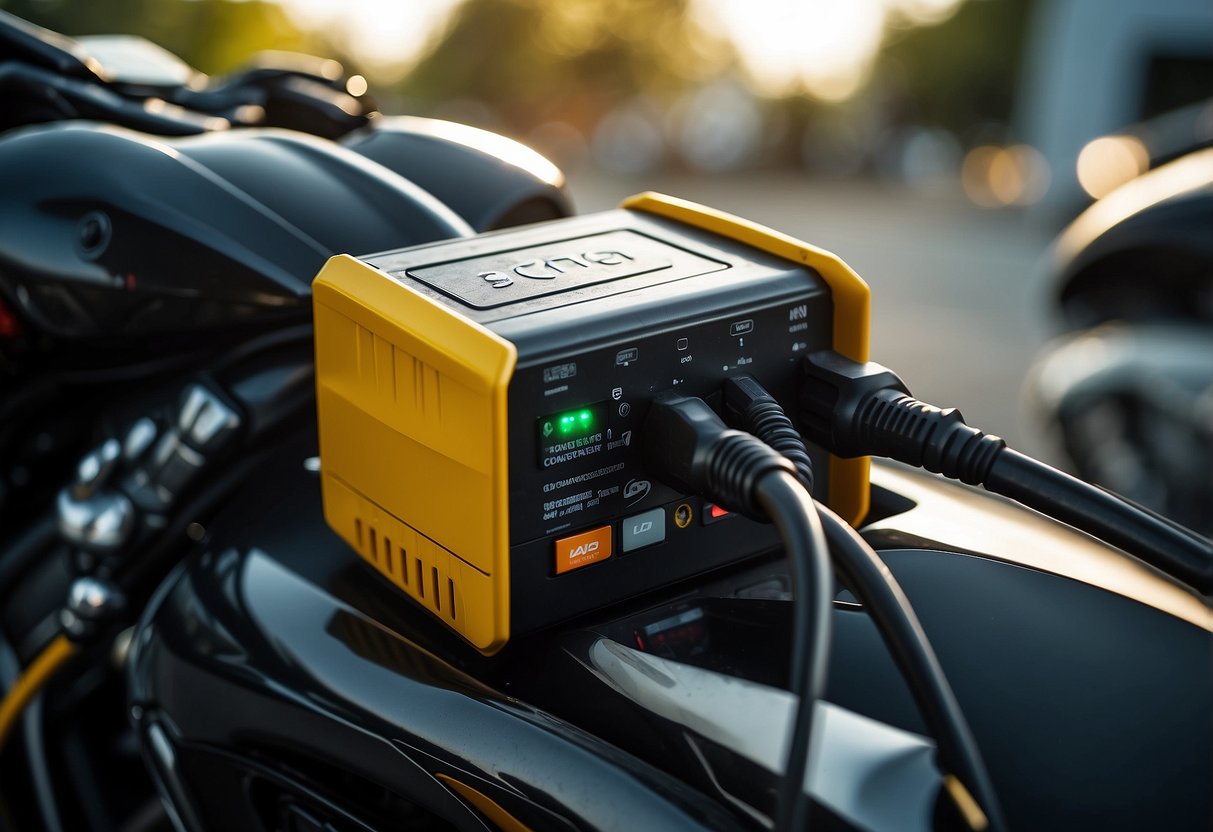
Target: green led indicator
579,421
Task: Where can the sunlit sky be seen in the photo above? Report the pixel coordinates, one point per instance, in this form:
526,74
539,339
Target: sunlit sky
823,47
389,36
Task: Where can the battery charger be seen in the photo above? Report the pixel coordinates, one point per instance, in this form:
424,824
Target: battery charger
481,403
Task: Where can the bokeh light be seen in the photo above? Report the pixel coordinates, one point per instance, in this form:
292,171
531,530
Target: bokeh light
629,140
996,177
821,47
925,12
718,128
824,48
388,36
1110,161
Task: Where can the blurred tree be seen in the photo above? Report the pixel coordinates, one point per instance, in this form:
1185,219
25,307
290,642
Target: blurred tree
532,62
211,35
960,73
572,60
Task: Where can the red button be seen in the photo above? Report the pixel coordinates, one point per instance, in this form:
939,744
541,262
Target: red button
713,513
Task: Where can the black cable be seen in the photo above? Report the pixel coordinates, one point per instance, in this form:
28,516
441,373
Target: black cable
751,408
42,779
860,409
1105,515
874,585
876,588
792,511
688,447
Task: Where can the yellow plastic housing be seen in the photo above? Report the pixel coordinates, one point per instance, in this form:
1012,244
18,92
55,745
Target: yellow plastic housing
850,493
411,401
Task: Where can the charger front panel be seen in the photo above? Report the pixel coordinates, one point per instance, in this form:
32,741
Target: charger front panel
589,524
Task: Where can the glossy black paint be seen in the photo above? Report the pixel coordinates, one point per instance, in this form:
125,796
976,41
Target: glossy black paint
198,234
1122,390
276,648
128,81
1153,264
239,634
466,169
25,42
107,232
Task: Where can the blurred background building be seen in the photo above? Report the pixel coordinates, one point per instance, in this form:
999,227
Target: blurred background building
937,145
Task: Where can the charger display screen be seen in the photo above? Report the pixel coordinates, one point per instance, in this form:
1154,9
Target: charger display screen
570,425
572,434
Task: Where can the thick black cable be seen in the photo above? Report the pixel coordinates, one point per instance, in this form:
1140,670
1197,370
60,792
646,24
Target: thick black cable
874,585
864,409
792,511
1156,540
747,405
688,447
883,599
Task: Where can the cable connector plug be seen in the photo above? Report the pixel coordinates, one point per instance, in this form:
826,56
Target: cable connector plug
688,447
748,406
858,409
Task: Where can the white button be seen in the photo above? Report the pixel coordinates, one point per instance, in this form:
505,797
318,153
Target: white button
643,530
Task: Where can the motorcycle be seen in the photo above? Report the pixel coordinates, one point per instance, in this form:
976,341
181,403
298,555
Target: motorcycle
187,644
1127,388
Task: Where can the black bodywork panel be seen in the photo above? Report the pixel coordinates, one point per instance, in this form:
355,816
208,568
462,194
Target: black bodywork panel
276,648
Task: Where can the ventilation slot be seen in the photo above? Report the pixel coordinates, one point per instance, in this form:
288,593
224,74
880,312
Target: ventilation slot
428,583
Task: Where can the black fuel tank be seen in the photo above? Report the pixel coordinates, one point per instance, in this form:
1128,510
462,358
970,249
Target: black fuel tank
104,231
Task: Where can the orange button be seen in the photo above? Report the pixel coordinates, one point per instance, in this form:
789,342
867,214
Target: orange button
583,549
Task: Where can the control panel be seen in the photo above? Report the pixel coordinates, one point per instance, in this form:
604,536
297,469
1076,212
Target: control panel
580,494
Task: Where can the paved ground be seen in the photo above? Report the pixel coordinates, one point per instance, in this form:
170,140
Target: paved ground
959,306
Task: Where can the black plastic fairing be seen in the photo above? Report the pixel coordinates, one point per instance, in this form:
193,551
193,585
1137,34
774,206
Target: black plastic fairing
1092,708
21,40
273,667
198,234
489,180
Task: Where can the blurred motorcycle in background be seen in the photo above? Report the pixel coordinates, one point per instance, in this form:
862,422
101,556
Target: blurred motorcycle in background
1128,389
